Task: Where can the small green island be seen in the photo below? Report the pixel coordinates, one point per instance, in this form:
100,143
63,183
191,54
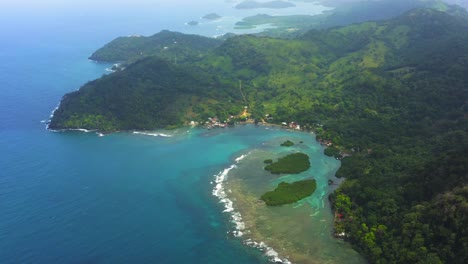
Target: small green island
212,16
292,164
287,193
249,4
287,143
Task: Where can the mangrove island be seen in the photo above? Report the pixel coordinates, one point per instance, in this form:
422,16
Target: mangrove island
287,143
293,164
287,193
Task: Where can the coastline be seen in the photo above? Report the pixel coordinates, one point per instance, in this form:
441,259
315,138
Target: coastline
235,216
279,232
152,133
231,193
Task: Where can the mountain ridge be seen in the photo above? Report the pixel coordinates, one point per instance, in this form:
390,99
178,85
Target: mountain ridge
165,44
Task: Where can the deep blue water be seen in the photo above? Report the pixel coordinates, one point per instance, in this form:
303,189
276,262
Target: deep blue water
78,198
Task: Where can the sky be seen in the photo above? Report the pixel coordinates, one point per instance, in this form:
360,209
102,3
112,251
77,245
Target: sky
64,4
50,5
38,7
43,8
15,10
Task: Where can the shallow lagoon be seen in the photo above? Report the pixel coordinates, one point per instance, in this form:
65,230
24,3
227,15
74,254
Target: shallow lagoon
300,232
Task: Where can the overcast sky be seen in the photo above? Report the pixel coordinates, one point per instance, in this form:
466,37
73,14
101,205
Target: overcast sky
27,4
24,8
36,6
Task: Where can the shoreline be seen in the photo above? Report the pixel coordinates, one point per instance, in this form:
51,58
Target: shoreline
149,132
274,252
294,232
252,239
236,217
153,133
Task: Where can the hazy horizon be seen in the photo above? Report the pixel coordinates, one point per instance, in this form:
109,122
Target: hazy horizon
30,6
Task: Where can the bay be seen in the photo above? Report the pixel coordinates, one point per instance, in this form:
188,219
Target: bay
123,198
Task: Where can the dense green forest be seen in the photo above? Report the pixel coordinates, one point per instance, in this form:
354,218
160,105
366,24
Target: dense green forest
291,164
151,93
286,193
173,46
391,95
344,12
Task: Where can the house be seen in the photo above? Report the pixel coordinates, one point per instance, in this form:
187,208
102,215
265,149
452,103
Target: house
294,125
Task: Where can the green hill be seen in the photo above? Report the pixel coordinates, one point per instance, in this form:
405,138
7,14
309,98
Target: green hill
343,13
391,95
148,94
169,45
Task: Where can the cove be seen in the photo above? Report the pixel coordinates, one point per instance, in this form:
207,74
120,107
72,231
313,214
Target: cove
300,232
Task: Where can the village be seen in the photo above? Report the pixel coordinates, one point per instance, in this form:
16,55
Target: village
267,120
243,118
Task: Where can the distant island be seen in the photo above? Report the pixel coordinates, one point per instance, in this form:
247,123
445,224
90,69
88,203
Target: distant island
192,23
212,16
249,4
292,163
287,193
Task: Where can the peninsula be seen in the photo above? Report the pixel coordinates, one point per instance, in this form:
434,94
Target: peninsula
166,44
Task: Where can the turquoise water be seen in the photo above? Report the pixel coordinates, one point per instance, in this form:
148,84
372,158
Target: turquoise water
300,232
79,198
123,198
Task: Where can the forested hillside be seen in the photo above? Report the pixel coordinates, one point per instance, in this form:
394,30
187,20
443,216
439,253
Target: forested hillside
343,12
169,45
150,93
390,96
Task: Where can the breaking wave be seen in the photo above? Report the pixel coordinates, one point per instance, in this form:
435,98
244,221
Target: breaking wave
151,134
236,217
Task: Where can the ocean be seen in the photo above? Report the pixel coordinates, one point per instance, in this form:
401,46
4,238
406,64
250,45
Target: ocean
76,197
